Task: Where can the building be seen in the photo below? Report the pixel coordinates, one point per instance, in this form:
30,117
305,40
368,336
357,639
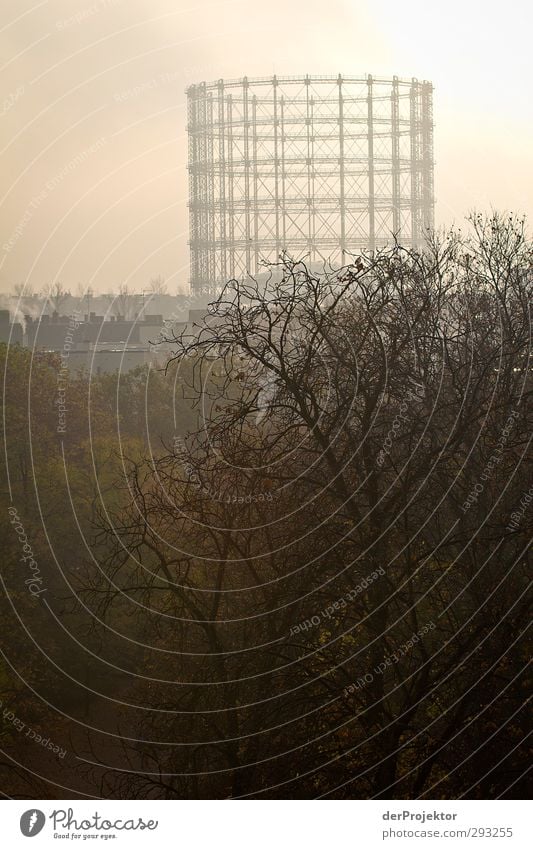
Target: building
320,167
96,344
10,332
50,332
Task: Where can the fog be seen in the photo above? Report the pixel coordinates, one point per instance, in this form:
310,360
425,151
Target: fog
94,148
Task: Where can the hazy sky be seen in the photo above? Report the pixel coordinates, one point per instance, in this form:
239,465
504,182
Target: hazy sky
92,106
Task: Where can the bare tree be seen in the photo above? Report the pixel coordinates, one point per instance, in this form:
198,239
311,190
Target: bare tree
23,290
157,285
330,554
122,302
56,295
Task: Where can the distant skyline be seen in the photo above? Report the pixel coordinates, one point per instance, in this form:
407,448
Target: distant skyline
94,147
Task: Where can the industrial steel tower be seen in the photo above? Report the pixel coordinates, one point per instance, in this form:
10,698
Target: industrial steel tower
315,166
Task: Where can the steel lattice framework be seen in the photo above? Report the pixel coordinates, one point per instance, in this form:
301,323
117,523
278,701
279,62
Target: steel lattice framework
315,166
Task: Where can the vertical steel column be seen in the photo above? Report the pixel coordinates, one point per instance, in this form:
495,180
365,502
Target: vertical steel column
254,182
395,138
200,180
231,178
283,176
193,182
222,182
205,269
309,163
276,162
211,208
342,201
371,188
427,156
415,227
246,172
